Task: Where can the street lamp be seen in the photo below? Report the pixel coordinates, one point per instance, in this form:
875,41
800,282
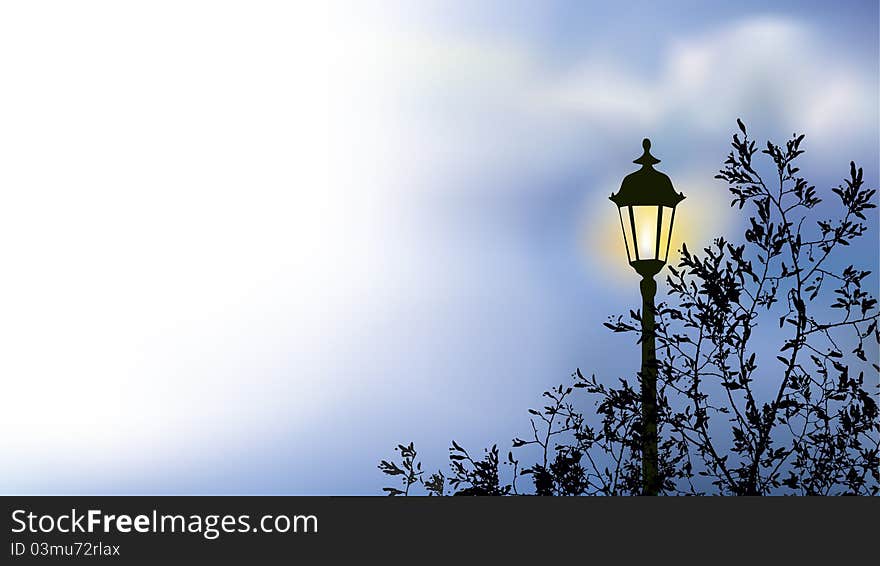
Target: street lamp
646,203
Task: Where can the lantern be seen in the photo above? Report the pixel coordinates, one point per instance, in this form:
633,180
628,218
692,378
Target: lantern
646,203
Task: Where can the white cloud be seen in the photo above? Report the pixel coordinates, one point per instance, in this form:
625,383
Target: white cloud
773,64
477,105
706,81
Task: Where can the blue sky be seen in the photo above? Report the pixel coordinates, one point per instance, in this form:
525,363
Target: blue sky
312,236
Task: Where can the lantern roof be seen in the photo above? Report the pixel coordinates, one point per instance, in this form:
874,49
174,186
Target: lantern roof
647,186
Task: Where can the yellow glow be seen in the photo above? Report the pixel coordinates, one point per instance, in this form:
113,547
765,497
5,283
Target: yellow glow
698,219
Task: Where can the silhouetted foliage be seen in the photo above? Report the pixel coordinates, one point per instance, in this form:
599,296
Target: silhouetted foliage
761,356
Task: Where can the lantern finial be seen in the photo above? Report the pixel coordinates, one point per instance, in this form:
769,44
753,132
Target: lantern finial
646,160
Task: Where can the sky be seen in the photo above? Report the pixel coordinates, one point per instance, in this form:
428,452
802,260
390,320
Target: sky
249,247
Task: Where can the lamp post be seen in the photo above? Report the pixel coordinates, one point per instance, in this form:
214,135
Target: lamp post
646,203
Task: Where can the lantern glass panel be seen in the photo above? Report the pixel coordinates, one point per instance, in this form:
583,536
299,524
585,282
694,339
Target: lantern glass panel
665,232
623,211
644,227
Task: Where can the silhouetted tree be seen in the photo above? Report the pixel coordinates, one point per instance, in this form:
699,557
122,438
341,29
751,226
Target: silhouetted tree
802,421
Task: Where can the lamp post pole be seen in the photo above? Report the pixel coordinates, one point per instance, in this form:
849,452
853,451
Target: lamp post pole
646,204
649,389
